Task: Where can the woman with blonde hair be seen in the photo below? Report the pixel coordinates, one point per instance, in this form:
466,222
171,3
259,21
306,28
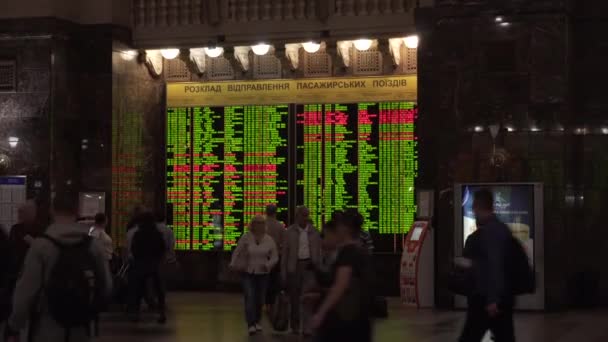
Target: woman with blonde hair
255,256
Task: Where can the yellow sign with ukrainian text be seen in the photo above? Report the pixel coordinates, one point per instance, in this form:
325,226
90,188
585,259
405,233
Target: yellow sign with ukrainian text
326,90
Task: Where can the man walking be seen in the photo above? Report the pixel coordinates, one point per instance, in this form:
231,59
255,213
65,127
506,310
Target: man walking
276,230
36,302
490,305
301,253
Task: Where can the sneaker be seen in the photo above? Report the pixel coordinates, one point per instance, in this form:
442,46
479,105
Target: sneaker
258,327
252,330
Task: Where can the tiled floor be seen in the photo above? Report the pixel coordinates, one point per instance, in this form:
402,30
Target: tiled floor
219,318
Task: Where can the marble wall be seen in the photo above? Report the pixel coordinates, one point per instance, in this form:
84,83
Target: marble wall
534,76
138,121
25,113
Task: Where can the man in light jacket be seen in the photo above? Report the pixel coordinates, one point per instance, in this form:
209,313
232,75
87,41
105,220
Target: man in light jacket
29,304
300,255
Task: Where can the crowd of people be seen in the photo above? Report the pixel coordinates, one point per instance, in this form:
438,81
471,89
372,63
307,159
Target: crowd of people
55,280
327,274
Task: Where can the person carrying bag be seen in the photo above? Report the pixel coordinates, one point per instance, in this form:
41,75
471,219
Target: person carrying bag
255,255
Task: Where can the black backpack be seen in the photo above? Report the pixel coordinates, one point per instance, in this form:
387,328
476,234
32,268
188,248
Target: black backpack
520,275
72,290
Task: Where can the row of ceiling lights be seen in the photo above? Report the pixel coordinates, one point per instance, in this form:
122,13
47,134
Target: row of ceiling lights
262,49
534,128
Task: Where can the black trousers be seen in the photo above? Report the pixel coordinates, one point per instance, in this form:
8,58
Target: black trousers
138,281
479,322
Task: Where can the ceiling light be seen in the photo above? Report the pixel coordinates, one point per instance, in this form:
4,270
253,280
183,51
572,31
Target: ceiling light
260,49
505,24
534,128
411,42
169,53
499,19
478,129
311,47
510,128
13,142
363,44
604,130
214,52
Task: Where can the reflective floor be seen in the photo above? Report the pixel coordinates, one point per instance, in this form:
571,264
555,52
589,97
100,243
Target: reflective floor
219,318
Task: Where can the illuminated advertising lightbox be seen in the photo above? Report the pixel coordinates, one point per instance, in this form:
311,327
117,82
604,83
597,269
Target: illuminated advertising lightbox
513,204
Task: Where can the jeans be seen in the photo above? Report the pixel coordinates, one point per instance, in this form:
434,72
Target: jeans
254,288
479,322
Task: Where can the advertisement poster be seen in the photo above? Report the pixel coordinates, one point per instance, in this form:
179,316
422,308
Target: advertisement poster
513,204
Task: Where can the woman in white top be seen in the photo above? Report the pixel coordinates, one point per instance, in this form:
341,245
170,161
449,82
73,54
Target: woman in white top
255,255
98,232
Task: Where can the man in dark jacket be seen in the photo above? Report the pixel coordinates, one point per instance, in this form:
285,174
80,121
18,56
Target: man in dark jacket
490,306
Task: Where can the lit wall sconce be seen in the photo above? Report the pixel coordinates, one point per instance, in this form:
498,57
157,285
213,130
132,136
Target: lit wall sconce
129,55
169,53
411,42
260,49
311,47
214,52
13,142
363,44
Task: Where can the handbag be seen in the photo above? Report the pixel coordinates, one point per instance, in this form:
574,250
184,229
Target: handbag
279,316
240,260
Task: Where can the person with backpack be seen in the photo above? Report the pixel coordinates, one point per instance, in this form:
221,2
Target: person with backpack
64,282
147,252
345,313
491,299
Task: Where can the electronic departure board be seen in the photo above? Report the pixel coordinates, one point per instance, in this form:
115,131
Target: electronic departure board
225,164
360,156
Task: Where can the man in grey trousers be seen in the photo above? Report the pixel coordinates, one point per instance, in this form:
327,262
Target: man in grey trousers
301,254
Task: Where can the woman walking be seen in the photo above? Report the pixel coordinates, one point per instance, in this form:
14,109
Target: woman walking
255,256
344,314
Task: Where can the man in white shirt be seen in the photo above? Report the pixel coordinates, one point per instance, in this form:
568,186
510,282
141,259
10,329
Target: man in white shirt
98,232
300,255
